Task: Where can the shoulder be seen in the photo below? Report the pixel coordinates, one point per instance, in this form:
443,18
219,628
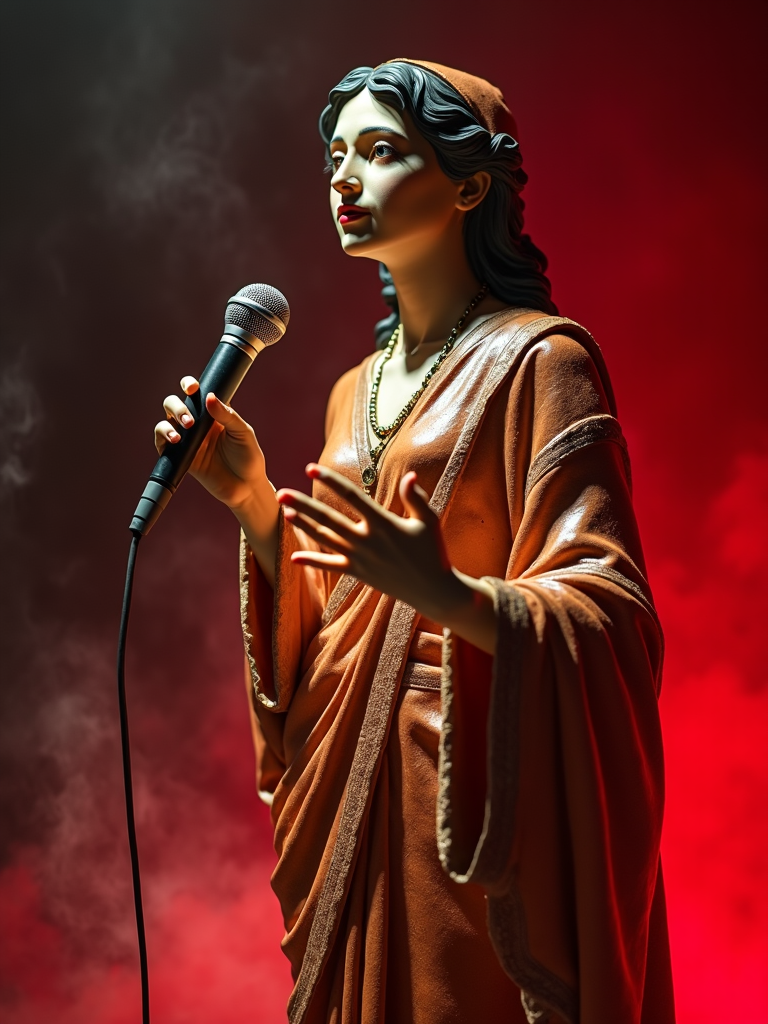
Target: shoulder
342,396
557,354
345,386
548,367
563,381
556,336
564,356
516,330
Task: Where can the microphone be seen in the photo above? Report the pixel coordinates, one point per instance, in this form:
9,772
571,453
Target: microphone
255,318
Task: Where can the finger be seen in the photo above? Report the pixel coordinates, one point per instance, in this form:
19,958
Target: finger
189,385
165,433
319,560
233,423
415,498
176,410
344,488
324,535
317,511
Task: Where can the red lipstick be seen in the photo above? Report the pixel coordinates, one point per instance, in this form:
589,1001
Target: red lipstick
347,213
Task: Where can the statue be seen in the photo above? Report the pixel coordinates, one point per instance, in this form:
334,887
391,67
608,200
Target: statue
453,657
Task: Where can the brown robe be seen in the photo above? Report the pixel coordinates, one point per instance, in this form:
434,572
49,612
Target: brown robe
452,828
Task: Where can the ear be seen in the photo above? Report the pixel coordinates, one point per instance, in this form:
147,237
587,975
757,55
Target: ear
473,191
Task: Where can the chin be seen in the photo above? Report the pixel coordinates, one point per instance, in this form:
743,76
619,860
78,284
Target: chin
360,245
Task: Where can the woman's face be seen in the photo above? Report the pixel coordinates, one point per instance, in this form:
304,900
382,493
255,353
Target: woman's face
388,193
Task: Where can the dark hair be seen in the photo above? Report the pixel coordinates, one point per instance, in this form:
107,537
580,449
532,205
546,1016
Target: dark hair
497,250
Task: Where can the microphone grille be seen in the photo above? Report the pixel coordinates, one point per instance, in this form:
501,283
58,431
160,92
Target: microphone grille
249,319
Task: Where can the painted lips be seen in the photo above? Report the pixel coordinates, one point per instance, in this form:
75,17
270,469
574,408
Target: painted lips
347,214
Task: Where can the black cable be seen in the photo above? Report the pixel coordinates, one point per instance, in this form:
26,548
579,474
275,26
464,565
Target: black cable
127,777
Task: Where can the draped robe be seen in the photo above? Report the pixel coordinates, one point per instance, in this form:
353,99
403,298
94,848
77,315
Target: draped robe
453,828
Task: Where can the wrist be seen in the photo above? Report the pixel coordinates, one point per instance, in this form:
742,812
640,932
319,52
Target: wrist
473,597
467,609
257,512
251,495
461,598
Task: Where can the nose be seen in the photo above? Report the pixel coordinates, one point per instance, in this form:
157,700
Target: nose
345,183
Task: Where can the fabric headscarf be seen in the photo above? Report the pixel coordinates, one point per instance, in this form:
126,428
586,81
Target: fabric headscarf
484,100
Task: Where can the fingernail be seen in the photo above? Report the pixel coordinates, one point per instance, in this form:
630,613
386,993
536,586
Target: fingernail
187,420
289,513
172,435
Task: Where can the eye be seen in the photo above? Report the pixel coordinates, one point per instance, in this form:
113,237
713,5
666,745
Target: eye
382,150
334,162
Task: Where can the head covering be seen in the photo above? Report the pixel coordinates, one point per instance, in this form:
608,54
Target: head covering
484,100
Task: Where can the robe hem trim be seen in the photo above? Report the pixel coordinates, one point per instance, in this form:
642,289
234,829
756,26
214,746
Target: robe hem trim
492,863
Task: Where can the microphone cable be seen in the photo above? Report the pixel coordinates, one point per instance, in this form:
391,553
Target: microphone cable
124,615
256,317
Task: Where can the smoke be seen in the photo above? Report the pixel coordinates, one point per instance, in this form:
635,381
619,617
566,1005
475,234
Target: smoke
182,174
714,708
212,923
20,418
160,155
155,145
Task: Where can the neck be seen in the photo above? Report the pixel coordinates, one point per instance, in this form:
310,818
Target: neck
433,290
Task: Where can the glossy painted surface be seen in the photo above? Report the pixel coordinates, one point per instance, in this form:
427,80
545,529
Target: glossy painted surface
161,158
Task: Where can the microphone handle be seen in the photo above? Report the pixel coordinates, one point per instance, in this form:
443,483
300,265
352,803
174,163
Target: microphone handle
229,364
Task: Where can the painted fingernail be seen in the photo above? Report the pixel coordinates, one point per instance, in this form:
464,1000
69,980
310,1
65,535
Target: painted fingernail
173,436
187,420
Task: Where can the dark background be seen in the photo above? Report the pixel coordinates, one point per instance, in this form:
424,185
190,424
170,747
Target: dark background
157,156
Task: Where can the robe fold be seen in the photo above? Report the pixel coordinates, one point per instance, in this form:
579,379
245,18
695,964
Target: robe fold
462,836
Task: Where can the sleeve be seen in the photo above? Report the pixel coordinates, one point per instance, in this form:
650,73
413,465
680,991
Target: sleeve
277,628
278,625
551,767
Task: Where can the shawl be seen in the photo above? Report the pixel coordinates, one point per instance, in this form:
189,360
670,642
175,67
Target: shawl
549,782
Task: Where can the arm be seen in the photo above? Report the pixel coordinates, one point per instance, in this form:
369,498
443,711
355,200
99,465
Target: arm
405,556
467,609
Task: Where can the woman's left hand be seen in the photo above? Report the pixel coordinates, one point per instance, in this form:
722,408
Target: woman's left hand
403,556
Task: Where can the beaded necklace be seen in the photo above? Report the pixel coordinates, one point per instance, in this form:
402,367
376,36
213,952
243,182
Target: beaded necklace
385,434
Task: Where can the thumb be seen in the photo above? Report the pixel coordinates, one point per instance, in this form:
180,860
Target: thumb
233,423
415,499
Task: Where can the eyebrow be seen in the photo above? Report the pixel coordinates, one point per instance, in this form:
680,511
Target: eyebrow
374,128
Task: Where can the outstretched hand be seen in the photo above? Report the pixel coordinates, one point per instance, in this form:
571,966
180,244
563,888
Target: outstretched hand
403,556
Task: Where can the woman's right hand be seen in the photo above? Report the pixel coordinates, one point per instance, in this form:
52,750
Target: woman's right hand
229,463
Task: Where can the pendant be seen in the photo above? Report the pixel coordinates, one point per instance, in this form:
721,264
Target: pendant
369,476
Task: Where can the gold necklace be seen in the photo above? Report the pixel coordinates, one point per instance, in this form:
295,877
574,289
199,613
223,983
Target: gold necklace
385,434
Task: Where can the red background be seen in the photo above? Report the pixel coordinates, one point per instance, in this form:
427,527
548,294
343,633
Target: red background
158,156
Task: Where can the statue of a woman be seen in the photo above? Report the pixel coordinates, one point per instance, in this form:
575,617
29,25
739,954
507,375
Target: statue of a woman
453,657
